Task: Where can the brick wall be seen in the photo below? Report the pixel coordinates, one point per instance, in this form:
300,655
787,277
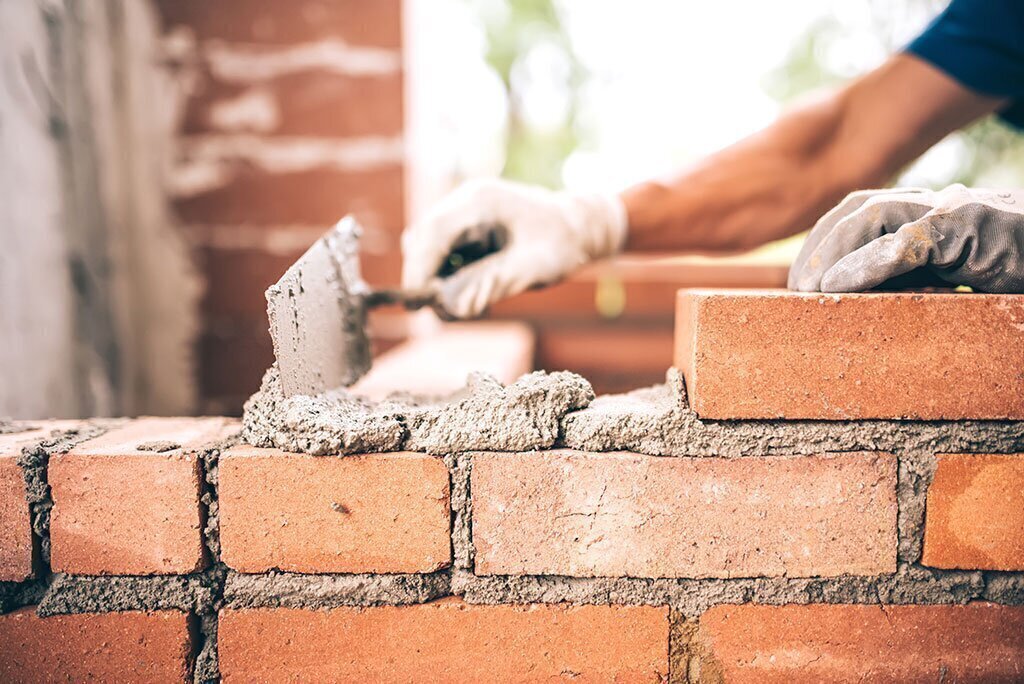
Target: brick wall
758,550
293,117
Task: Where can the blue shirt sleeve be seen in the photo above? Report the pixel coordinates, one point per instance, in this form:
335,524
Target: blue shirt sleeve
980,43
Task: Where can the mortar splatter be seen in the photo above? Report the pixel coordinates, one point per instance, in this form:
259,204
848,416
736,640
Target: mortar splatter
484,415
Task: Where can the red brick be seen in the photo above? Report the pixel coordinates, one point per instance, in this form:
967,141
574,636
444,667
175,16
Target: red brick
978,642
319,196
108,647
776,354
306,103
125,511
975,513
440,362
16,546
619,514
16,556
375,513
358,22
446,641
233,358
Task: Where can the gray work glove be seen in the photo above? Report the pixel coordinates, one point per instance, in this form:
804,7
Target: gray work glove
963,236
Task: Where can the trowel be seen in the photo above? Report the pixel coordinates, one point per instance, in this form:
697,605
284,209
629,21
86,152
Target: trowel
318,308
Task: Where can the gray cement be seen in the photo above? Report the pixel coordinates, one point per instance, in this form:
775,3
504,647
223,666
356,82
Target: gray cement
460,467
290,590
95,594
209,501
657,421
334,422
910,584
912,481
488,416
207,665
14,595
485,415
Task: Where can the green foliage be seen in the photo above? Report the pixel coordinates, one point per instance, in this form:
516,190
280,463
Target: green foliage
803,70
991,152
513,28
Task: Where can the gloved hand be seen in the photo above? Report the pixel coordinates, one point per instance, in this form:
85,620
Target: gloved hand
963,236
546,235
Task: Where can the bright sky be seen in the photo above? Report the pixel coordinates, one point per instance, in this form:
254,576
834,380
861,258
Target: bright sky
672,80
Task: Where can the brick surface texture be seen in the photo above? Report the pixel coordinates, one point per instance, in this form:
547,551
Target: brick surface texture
846,643
378,513
777,354
446,641
108,647
16,545
975,513
620,514
121,509
15,521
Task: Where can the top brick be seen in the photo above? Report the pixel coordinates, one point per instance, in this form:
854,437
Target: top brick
779,354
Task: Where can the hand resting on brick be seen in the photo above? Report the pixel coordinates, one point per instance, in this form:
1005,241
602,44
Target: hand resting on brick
962,236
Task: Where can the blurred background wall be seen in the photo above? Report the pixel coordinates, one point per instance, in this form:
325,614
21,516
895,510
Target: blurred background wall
98,294
163,161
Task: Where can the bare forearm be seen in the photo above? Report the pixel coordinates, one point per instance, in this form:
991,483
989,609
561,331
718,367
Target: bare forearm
779,181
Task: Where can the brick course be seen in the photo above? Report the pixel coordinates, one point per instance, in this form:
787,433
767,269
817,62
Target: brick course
778,354
621,514
975,513
446,641
119,509
378,513
108,647
308,103
840,643
316,196
357,22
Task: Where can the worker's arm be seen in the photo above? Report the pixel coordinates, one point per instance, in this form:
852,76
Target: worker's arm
770,185
779,181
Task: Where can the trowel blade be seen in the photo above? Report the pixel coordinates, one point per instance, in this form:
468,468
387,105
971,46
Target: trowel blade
317,313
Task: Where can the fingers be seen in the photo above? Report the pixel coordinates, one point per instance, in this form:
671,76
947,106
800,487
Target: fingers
827,223
875,217
427,243
470,291
883,258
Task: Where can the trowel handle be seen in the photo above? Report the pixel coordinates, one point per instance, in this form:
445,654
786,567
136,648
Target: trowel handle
410,299
473,245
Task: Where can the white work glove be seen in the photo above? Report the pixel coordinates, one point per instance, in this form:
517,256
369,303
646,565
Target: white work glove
546,235
962,236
